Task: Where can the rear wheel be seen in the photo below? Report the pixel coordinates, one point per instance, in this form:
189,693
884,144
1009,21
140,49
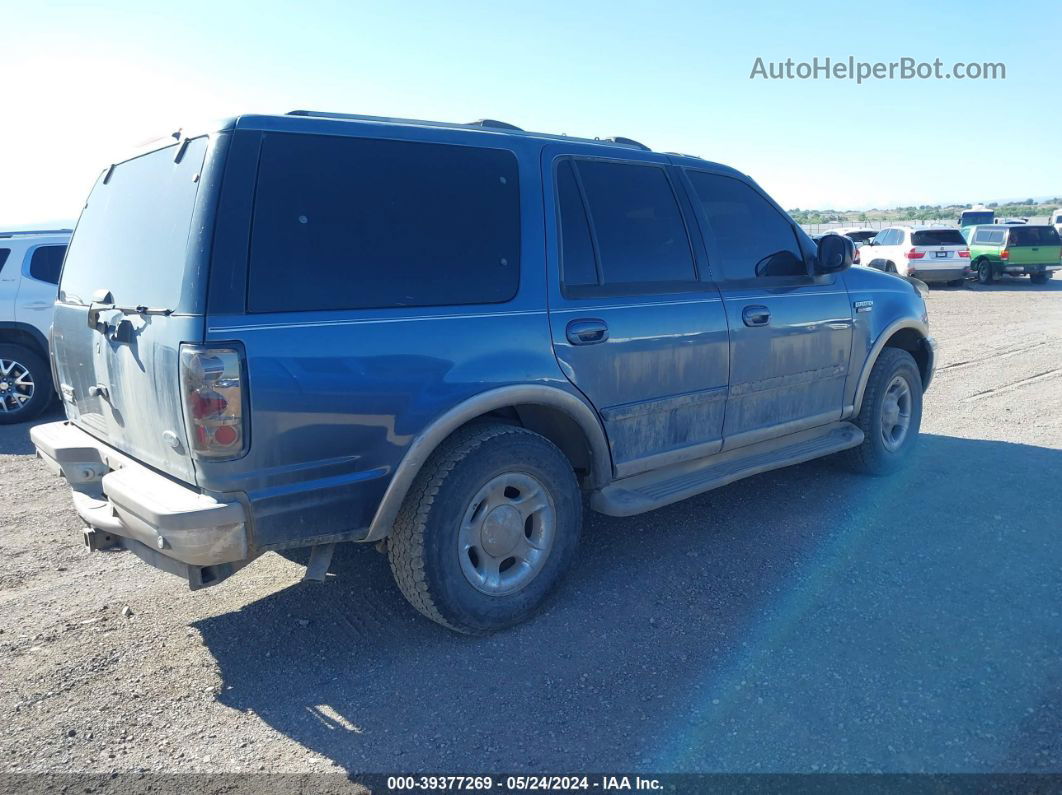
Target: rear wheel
490,526
985,274
25,384
890,416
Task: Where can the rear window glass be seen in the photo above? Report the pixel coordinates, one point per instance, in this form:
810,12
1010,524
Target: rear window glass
132,237
46,263
938,237
1032,236
969,219
354,223
577,251
862,237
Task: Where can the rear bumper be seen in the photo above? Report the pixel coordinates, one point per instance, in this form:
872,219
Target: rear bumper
939,273
124,503
1030,269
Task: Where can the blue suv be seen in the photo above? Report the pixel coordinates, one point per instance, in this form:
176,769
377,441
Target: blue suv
299,330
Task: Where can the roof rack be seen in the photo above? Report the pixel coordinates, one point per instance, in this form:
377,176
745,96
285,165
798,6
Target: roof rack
619,139
18,232
684,154
499,125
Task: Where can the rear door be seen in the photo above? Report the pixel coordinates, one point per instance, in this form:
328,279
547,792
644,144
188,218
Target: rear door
790,333
634,325
39,285
8,282
139,243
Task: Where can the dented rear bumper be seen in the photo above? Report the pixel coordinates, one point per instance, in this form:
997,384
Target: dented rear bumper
124,503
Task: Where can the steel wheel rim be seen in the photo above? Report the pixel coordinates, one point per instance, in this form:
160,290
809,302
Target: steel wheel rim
16,386
507,532
896,413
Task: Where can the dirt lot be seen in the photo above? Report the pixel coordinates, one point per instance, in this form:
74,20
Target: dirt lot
806,619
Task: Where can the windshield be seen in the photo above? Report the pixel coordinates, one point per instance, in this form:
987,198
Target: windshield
938,237
969,219
132,236
1033,236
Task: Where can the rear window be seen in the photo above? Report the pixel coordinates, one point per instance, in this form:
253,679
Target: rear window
969,219
862,237
354,223
938,237
1032,236
46,263
132,237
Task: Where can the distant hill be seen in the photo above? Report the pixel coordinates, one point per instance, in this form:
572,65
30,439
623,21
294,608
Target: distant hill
928,212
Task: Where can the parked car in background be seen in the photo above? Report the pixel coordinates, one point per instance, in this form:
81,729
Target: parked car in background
857,234
1011,221
30,262
976,215
929,253
1017,250
1056,221
444,337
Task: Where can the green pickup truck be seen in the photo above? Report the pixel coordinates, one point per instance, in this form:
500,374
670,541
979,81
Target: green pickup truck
1021,249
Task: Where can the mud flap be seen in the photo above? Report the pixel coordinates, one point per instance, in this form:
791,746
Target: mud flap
320,560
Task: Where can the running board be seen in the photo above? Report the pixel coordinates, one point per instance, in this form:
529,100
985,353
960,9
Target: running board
661,487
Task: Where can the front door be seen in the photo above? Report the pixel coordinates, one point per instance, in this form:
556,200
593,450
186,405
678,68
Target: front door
634,325
790,332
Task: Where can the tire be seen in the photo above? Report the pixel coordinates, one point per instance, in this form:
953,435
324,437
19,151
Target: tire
1039,278
25,384
890,268
483,471
985,274
875,456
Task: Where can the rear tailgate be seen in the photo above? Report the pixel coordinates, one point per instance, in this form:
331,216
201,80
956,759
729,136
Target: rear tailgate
137,247
939,247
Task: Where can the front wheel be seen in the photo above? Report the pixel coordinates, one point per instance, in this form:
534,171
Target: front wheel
985,274
25,384
490,526
890,416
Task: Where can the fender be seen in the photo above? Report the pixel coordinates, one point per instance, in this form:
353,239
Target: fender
430,438
875,351
25,328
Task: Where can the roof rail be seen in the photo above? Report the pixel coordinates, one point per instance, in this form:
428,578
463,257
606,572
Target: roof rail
619,139
17,232
500,125
684,154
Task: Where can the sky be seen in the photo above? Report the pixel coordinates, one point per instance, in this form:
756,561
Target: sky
84,83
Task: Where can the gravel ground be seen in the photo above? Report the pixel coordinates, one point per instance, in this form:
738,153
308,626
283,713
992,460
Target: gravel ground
803,620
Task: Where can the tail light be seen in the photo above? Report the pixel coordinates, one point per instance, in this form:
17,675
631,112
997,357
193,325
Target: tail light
1004,254
915,254
214,394
855,257
964,253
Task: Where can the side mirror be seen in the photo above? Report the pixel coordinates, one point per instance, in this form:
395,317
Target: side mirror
835,254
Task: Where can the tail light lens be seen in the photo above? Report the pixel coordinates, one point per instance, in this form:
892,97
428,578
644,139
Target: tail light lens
915,254
965,253
1004,254
214,393
855,257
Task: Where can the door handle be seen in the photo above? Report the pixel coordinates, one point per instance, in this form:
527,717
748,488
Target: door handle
587,331
756,315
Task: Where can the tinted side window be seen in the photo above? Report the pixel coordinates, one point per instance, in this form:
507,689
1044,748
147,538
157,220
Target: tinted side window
352,223
46,263
641,237
578,265
751,237
4,252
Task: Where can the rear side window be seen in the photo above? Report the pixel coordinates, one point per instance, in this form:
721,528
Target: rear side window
937,237
46,263
4,252
578,264
752,238
353,223
642,243
1033,236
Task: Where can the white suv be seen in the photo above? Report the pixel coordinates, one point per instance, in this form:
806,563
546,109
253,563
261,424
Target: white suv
1056,221
29,272
929,253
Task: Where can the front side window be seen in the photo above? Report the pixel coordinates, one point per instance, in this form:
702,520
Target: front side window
46,263
355,223
638,239
752,238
